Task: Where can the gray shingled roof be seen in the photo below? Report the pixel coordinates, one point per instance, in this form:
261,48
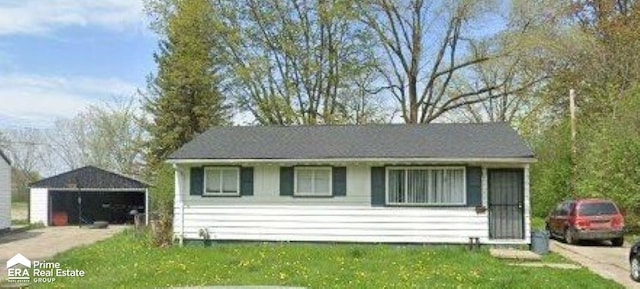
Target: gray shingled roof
90,177
490,140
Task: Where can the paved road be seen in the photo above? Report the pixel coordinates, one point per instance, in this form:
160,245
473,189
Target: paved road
41,244
608,262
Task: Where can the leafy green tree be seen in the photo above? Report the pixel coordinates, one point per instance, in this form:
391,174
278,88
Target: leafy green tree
551,175
604,63
609,159
183,98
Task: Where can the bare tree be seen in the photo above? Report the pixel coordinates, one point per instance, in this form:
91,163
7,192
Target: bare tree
29,154
27,149
107,135
294,61
430,52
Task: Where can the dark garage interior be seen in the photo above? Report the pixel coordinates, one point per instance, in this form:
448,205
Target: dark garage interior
112,207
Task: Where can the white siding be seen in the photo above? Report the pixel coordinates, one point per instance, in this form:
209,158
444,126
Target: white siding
39,206
266,190
527,206
334,223
268,216
5,194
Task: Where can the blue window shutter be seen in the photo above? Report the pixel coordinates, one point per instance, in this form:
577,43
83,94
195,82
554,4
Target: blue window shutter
286,181
474,186
339,179
378,186
246,181
197,181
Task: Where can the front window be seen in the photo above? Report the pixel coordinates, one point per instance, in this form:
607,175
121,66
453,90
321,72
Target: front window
222,181
426,186
313,181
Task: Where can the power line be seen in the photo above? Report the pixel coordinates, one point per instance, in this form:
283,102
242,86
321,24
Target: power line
32,143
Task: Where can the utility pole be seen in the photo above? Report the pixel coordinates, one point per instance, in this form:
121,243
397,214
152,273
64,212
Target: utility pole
574,147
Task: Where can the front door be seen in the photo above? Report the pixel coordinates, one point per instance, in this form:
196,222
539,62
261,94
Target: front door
506,203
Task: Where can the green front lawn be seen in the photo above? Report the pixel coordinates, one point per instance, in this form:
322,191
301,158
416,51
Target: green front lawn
128,262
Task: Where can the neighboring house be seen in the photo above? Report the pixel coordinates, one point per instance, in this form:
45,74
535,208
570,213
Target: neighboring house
436,183
86,195
5,192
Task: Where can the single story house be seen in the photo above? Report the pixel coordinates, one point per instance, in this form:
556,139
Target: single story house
5,192
86,195
388,183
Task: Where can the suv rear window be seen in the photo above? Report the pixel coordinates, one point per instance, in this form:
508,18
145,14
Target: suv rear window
594,209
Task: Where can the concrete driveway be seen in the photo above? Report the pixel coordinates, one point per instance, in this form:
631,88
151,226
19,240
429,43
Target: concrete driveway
608,262
42,244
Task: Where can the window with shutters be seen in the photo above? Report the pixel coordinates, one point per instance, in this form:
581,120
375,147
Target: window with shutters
312,181
426,186
222,181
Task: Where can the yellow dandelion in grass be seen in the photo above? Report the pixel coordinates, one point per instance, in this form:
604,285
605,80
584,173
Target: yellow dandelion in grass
283,276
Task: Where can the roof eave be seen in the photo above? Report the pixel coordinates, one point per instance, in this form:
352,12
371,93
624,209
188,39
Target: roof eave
92,189
522,160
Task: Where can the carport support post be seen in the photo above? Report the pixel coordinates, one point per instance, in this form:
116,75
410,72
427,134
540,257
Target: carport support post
79,207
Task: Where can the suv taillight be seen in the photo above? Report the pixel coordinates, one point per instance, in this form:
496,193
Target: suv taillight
617,222
582,223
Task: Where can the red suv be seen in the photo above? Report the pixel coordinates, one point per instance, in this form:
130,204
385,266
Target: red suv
587,219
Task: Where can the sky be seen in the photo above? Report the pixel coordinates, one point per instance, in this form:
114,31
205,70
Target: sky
59,56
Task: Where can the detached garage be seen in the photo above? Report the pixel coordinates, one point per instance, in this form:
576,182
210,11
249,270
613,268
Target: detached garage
87,195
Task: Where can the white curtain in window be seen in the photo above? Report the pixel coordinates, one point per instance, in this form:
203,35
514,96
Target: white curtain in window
213,181
437,186
322,181
457,186
305,181
229,181
396,186
426,186
417,186
448,186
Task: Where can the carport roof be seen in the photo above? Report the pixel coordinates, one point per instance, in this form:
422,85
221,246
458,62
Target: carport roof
90,177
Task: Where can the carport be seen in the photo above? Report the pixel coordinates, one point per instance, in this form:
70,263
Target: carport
87,195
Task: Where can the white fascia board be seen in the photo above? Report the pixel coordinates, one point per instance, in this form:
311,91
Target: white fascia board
89,190
355,160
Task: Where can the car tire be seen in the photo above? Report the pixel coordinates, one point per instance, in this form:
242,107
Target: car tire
635,268
568,237
617,242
